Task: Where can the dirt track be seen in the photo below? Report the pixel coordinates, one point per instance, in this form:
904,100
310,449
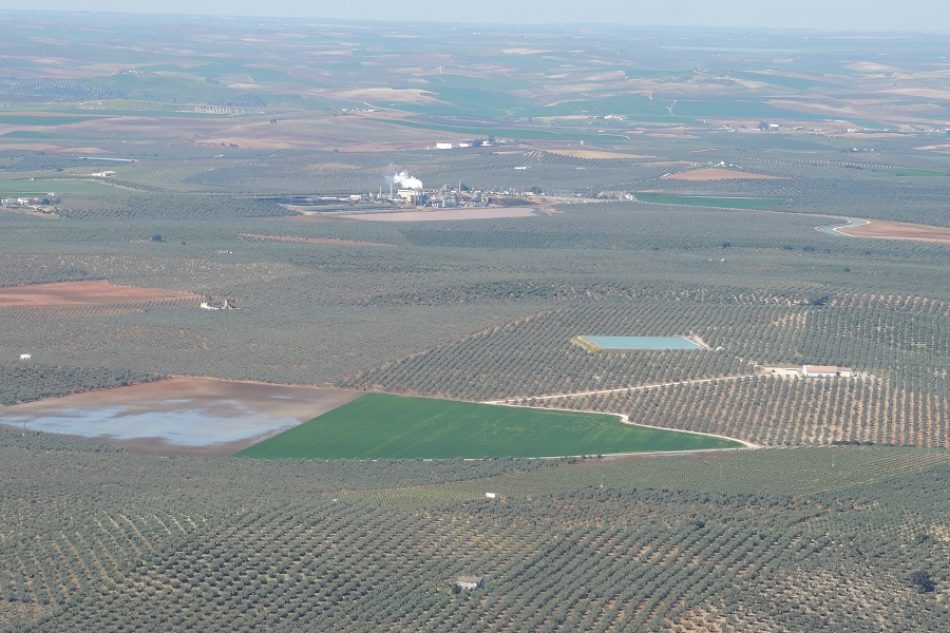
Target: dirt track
598,392
84,293
884,230
625,419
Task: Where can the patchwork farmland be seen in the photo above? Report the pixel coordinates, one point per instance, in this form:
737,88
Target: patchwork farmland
389,386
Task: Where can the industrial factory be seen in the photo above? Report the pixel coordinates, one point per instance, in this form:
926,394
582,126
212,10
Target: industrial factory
403,191
408,191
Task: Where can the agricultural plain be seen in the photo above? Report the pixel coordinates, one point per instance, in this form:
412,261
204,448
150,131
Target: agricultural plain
84,294
674,181
883,230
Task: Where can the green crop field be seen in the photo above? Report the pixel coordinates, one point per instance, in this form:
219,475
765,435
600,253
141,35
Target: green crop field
42,186
382,426
709,201
40,119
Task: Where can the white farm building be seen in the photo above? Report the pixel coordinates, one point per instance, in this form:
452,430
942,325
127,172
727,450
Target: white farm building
826,371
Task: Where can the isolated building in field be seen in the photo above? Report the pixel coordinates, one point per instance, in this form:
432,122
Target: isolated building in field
826,371
468,583
213,305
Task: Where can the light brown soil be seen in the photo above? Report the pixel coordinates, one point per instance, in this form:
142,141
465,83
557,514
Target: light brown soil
402,95
30,212
47,147
708,174
247,143
310,240
437,215
884,230
84,293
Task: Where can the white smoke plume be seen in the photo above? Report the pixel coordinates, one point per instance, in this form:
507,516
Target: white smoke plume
405,181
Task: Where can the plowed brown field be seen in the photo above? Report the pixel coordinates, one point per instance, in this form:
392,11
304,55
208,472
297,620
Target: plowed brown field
85,293
884,230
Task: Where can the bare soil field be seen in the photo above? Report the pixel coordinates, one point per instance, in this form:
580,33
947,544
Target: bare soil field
85,293
444,215
310,240
250,143
29,212
400,95
180,415
884,230
47,147
708,174
594,154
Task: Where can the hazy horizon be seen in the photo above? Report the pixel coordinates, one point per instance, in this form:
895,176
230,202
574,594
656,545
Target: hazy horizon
874,15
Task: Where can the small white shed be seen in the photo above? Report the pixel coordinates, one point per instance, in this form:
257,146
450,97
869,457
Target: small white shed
468,583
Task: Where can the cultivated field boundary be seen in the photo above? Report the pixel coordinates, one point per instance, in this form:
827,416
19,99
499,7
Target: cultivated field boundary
625,419
597,392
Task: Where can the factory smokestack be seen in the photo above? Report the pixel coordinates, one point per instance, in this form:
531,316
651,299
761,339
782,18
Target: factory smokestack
405,181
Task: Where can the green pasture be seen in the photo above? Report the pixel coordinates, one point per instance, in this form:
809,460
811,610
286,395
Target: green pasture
383,426
709,201
41,119
43,186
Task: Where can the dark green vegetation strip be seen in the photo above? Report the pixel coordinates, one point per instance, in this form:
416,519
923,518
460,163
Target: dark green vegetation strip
710,201
382,426
40,119
42,186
